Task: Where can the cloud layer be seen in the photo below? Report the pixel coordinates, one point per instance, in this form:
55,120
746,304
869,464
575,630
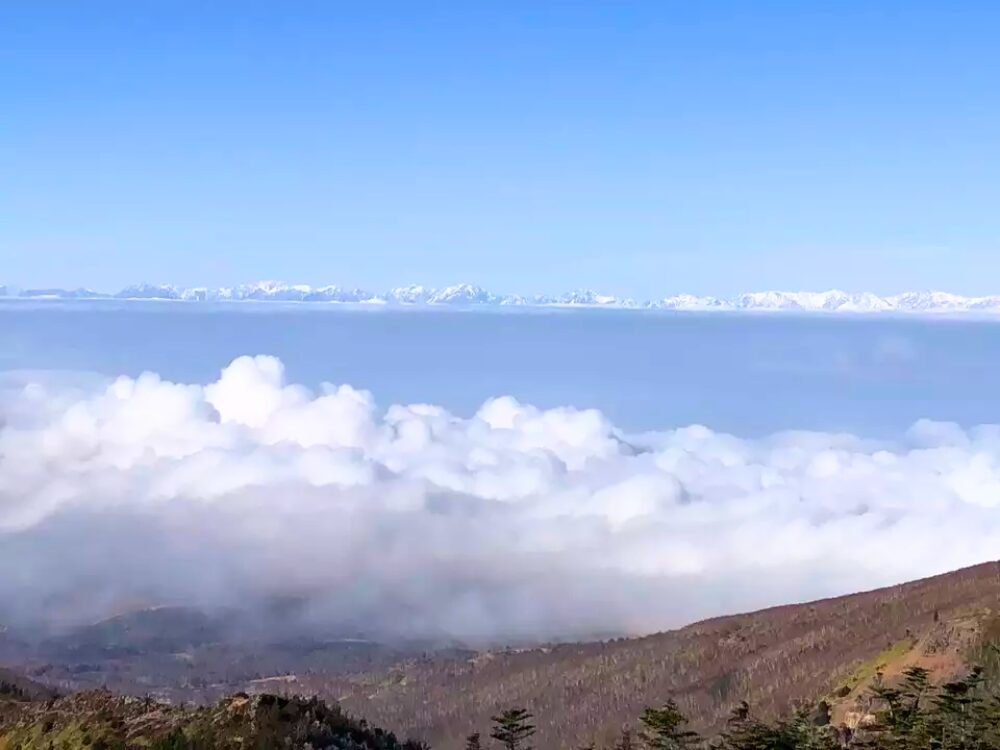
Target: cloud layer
413,522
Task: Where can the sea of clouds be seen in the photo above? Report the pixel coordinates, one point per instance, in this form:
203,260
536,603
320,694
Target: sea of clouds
410,521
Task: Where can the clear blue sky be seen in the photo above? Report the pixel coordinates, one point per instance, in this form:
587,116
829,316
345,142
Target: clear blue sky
637,147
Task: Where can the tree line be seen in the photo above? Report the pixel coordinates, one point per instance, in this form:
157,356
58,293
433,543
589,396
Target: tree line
910,714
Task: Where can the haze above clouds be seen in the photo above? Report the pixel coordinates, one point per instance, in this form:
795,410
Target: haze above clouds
411,522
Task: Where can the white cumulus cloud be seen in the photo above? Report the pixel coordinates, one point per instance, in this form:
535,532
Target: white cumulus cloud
411,521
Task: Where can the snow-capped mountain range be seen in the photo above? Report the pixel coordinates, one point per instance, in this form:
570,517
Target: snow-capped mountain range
470,295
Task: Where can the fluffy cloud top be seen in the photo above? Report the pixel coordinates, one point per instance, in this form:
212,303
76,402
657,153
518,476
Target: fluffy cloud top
411,521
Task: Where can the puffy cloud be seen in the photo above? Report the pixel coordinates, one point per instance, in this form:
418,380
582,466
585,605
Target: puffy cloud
411,521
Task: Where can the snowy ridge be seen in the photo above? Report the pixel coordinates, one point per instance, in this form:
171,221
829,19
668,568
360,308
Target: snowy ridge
470,295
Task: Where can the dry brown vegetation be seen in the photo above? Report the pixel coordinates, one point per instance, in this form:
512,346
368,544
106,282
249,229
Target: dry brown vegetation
580,693
584,693
103,721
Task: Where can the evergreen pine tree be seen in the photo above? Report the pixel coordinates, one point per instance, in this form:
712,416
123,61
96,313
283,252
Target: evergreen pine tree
664,728
513,729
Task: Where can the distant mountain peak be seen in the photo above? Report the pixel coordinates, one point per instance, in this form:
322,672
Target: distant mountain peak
465,294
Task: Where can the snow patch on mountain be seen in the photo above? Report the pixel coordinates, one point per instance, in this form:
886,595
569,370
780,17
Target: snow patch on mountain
469,295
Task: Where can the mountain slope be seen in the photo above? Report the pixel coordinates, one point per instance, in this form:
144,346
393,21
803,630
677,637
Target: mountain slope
15,687
184,654
102,721
587,692
584,692
468,295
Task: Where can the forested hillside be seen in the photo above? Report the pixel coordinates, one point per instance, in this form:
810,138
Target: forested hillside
583,693
831,654
908,713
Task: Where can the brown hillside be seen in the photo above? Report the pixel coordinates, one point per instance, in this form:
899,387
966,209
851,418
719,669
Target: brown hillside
16,687
773,658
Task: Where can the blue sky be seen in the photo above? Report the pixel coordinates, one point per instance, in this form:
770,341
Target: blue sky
642,148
